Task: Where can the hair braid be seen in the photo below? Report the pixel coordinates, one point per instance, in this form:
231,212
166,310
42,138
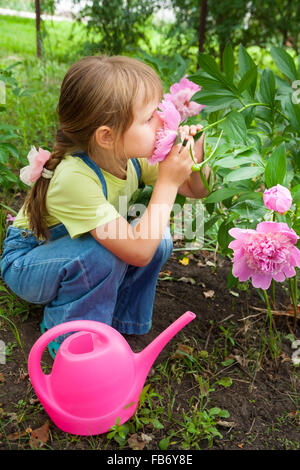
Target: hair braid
35,202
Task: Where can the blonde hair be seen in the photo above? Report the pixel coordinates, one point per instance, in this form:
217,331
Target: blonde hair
96,91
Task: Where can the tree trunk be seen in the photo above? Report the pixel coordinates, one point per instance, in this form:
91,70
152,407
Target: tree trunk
221,51
202,25
38,28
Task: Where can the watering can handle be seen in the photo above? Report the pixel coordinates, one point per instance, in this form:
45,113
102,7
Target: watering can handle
36,374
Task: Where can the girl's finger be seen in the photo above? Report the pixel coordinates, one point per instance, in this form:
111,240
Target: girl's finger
193,129
184,129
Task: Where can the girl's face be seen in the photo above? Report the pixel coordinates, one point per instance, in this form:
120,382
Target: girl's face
139,139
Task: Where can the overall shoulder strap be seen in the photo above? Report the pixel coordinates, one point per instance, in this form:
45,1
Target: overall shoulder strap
84,156
137,167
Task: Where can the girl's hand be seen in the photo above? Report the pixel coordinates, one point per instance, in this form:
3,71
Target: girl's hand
177,166
186,131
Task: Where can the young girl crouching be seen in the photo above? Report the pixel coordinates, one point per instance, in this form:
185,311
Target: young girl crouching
71,247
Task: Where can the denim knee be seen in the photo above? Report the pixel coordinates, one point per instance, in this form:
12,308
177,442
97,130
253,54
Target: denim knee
99,263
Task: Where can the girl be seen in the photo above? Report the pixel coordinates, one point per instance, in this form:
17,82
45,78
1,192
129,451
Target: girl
70,246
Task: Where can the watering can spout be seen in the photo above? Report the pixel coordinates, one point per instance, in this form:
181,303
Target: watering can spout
146,358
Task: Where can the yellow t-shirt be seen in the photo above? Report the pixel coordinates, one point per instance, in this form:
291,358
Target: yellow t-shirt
75,196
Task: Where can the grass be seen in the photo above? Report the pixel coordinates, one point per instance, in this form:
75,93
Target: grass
18,38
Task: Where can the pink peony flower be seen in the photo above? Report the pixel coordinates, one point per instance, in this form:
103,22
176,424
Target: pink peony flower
180,96
278,198
166,135
267,253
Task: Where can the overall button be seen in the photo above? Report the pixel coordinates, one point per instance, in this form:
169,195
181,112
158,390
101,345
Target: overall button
25,234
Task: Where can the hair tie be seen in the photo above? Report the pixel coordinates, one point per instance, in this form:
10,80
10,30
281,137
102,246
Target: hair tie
37,159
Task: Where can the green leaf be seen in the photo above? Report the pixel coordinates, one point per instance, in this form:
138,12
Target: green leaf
296,227
214,411
223,236
157,424
144,393
249,196
224,414
296,193
248,80
207,82
267,87
220,195
211,221
12,150
276,167
225,382
164,443
231,162
231,280
284,62
234,127
227,362
293,113
219,99
4,154
228,62
244,173
246,63
208,64
6,137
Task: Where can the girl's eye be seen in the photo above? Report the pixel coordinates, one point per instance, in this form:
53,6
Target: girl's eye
150,118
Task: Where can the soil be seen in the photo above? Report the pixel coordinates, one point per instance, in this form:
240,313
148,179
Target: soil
263,396
262,404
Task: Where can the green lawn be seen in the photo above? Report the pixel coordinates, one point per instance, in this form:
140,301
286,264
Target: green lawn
18,38
63,40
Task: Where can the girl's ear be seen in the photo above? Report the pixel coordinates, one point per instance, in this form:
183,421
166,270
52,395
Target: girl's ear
104,137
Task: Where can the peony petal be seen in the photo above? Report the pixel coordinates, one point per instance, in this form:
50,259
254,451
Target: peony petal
241,270
272,227
238,254
169,115
240,232
295,256
278,198
289,271
261,280
164,143
184,83
181,94
236,244
279,277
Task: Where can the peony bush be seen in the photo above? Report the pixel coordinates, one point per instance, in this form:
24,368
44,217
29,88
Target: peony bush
251,122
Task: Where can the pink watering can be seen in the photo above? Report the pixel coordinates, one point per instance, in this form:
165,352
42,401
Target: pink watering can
95,377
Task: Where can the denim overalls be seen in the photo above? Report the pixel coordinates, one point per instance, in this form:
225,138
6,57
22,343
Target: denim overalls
79,278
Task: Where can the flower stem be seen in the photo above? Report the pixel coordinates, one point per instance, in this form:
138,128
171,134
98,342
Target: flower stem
198,166
273,349
209,126
294,296
273,293
268,308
